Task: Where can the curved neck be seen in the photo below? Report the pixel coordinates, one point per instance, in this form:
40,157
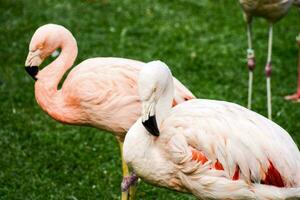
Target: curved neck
164,103
46,92
51,75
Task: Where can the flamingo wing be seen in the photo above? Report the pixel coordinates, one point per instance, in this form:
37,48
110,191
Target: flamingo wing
229,141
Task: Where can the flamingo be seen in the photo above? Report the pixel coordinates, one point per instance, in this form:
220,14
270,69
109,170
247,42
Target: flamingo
212,149
296,96
98,92
272,11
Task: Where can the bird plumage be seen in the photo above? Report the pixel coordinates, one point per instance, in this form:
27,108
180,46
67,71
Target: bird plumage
225,133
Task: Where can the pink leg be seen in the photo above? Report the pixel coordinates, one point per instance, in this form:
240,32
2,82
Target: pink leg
296,96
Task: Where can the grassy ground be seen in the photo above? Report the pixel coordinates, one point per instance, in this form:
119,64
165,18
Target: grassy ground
203,42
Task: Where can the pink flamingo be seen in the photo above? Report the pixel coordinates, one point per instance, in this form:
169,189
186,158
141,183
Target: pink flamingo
212,149
99,92
296,96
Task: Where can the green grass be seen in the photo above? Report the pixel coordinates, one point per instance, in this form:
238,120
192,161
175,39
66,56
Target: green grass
204,43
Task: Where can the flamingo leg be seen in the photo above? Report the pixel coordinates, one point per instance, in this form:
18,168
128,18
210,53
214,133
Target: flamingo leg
132,192
129,194
129,184
296,96
268,70
250,63
298,87
125,170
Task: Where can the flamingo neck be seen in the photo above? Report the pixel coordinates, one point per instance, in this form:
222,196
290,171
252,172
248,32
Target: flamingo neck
164,103
47,94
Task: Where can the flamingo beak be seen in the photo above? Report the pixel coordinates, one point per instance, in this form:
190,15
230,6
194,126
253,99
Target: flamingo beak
32,71
148,117
32,62
151,125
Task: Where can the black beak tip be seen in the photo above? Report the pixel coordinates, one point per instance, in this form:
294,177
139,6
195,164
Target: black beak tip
151,125
32,71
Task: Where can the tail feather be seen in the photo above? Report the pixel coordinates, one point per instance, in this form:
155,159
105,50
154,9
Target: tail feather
212,187
271,192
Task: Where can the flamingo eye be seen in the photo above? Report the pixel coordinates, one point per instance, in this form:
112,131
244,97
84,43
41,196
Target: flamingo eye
154,90
41,46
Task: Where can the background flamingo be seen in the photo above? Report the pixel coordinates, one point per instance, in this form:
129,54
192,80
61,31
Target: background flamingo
212,149
272,11
99,92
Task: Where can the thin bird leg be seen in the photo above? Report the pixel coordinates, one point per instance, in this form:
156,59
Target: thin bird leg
250,63
129,184
296,96
125,194
132,189
268,71
298,88
128,194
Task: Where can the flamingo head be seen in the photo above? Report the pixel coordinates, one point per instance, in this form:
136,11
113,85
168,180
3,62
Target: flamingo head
45,41
153,83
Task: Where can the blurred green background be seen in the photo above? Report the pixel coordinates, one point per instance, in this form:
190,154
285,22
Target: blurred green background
203,42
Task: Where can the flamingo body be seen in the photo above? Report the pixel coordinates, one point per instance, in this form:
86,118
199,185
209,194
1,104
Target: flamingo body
212,149
271,10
